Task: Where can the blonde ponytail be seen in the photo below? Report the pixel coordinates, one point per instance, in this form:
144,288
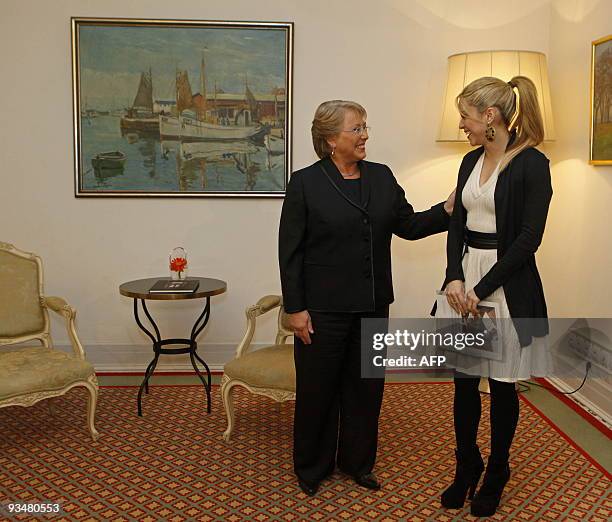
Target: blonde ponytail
528,122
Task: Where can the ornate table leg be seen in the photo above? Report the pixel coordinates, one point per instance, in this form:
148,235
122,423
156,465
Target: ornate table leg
156,350
146,373
193,355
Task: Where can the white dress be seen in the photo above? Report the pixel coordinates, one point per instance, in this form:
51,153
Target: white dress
516,363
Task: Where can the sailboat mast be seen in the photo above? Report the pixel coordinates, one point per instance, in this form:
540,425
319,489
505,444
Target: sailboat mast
151,88
203,84
176,89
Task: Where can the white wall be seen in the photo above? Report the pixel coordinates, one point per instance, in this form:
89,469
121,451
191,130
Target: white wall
389,55
577,253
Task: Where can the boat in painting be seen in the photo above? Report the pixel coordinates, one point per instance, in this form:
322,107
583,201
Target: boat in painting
187,127
140,117
108,160
196,121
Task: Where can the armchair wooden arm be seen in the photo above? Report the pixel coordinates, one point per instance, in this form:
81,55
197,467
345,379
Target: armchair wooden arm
61,307
263,306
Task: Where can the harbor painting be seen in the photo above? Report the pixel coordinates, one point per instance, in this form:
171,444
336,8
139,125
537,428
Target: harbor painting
181,108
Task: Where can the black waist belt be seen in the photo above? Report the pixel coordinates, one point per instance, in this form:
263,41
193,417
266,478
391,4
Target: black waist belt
481,240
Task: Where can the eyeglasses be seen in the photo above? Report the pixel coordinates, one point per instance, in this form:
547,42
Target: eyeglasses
361,129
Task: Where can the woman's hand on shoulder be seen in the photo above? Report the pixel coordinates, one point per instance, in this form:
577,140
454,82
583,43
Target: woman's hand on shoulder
455,295
301,325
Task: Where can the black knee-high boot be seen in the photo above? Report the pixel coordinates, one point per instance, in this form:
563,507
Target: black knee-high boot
504,418
469,465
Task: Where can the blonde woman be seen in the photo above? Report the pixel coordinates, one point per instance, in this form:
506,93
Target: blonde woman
337,221
503,193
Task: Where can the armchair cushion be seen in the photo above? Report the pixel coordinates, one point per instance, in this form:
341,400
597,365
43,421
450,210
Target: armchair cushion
34,369
269,367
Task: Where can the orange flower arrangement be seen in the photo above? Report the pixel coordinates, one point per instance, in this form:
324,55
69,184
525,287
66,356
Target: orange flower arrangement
178,264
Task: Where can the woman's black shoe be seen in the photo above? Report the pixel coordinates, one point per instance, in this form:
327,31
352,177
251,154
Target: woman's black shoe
310,490
467,475
368,480
487,499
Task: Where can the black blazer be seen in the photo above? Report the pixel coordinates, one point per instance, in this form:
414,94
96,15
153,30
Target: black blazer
522,197
334,253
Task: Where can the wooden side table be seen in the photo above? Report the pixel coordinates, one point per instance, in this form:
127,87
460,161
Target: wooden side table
139,291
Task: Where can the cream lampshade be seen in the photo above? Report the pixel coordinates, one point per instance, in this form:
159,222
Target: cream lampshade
466,67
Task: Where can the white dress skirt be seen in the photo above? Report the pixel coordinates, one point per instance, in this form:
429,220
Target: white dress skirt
516,362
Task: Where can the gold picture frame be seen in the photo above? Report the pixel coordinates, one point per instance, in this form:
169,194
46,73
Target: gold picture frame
600,150
181,108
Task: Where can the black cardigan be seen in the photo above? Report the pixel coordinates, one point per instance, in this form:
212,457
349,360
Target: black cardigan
335,253
522,197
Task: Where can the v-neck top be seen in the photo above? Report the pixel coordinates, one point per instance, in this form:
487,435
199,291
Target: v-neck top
479,201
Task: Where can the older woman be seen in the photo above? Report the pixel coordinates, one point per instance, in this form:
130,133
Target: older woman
504,189
335,262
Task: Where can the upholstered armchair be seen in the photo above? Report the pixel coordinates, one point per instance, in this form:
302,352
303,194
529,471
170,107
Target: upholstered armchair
268,371
29,373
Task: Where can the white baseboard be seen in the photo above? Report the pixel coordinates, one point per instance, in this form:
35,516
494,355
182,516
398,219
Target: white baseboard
579,398
135,358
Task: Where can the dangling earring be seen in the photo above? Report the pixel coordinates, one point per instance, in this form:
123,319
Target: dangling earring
490,132
333,150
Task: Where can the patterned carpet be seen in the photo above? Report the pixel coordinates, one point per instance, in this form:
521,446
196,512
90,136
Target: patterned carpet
173,465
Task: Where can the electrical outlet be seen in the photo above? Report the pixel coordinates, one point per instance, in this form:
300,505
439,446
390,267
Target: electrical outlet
582,346
578,343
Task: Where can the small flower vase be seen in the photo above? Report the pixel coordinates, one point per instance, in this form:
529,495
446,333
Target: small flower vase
178,263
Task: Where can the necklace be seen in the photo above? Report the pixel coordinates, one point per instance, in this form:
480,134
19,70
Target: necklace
350,175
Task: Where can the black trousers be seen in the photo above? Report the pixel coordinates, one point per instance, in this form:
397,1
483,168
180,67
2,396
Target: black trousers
336,411
504,413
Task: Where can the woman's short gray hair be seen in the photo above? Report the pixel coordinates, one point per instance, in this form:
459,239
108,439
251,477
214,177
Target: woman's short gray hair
328,120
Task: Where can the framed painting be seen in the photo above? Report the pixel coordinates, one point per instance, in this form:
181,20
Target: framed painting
177,108
601,102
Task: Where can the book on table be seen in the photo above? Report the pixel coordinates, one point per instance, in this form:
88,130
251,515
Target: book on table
169,286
